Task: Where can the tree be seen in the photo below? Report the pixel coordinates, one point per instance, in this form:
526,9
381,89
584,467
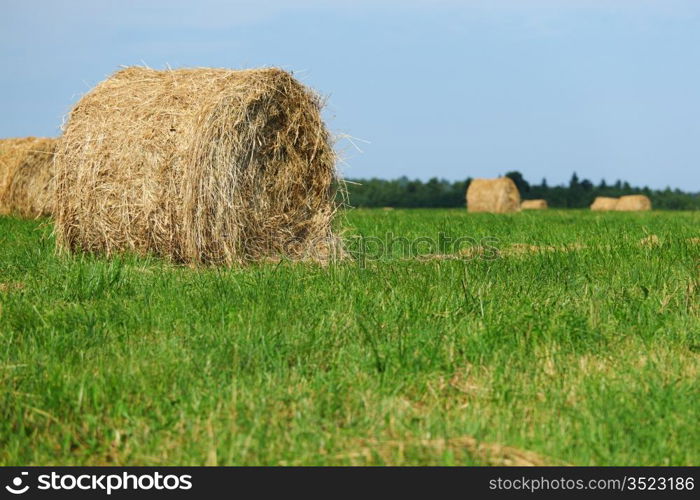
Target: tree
522,185
573,183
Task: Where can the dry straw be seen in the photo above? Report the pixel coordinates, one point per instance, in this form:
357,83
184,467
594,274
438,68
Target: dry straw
11,152
26,176
534,205
602,203
633,203
197,165
493,195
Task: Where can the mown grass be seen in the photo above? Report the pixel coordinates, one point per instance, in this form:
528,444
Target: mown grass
581,356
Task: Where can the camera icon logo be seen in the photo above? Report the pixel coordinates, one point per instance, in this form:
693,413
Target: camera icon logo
17,483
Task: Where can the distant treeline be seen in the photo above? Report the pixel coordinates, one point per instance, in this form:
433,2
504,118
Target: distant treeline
579,193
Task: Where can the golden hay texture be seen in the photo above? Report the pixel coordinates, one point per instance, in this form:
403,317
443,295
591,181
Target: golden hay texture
197,165
26,176
633,203
534,205
602,203
11,152
493,195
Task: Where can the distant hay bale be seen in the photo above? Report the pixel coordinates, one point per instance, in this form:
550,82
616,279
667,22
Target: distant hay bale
26,176
534,205
203,165
493,195
602,203
633,203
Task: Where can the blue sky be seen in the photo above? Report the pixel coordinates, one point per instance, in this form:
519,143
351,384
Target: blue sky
606,88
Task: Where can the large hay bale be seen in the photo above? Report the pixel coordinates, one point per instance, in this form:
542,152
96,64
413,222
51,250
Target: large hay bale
26,176
197,165
493,195
633,203
602,203
534,205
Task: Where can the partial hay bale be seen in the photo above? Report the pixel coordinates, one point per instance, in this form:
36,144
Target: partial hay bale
28,176
633,203
202,165
493,195
534,205
602,203
11,153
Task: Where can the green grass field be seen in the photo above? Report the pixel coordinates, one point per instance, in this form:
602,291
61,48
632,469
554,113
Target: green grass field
584,355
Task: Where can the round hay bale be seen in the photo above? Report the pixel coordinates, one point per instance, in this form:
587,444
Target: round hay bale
11,153
197,165
633,203
534,205
603,203
493,195
26,176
